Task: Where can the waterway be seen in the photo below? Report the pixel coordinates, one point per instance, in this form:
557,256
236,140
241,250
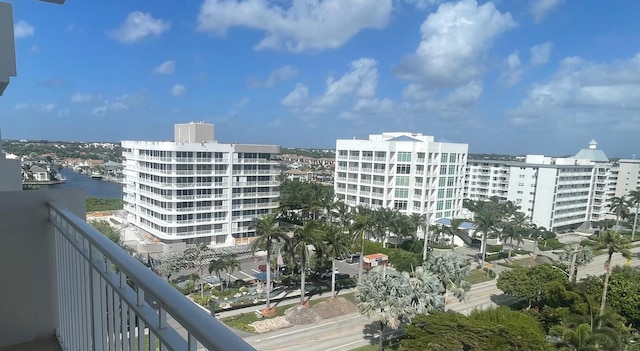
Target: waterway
92,187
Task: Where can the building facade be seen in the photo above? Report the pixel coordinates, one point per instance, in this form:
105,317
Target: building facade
557,193
409,172
196,188
627,172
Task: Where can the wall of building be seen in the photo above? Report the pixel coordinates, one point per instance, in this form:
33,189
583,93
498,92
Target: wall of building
628,177
27,256
7,43
544,197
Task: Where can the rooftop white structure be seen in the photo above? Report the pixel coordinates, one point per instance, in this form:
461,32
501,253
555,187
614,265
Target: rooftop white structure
409,172
196,188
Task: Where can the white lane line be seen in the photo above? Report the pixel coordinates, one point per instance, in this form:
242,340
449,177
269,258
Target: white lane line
347,344
233,277
312,327
255,271
250,276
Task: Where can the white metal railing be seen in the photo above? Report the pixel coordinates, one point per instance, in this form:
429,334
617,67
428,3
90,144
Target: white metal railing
108,300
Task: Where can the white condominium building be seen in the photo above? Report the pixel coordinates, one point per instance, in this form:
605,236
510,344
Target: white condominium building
194,187
627,175
557,193
409,172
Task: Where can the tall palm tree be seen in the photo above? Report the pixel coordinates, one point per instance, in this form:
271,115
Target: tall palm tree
515,229
614,243
401,226
383,218
198,253
620,206
341,214
217,266
419,222
267,234
363,223
337,244
536,233
298,248
634,199
486,217
576,255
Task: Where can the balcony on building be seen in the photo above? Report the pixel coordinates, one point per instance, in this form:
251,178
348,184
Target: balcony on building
65,286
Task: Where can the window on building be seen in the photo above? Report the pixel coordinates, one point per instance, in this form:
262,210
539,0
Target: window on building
402,193
402,181
452,158
404,156
439,205
444,157
443,181
447,204
443,170
449,193
451,181
403,169
452,169
440,193
400,205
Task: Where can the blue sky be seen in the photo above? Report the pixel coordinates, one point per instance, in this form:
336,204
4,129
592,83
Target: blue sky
530,76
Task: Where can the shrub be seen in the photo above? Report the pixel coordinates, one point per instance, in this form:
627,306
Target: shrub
494,248
550,244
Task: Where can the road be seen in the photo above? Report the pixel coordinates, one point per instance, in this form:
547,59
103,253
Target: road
350,331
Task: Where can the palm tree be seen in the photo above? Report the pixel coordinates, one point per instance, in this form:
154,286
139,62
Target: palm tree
218,265
267,233
634,199
486,217
620,206
232,264
298,249
419,222
341,214
393,297
337,245
515,229
401,225
614,243
198,253
362,224
451,271
453,230
575,255
383,218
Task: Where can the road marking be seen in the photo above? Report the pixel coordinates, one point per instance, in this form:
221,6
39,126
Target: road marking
255,271
312,327
250,276
347,344
235,278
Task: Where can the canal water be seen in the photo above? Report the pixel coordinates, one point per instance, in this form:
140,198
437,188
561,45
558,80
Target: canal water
92,187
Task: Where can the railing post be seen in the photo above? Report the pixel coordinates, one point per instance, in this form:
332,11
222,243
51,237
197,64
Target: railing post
97,327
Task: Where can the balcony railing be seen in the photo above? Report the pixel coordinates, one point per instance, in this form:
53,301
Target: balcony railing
110,301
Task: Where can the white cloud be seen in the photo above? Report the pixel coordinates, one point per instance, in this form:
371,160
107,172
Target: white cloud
36,107
454,41
23,29
540,8
302,26
83,98
422,4
582,93
166,68
139,25
235,110
464,96
540,53
281,74
513,71
360,82
178,90
121,103
369,107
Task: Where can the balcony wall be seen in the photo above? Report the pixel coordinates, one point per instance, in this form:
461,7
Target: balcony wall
28,298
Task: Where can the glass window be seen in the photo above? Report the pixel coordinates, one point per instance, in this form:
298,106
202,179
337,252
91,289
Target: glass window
443,170
450,181
402,181
400,204
404,157
452,169
443,181
449,193
447,205
439,205
440,193
403,169
452,158
444,157
402,193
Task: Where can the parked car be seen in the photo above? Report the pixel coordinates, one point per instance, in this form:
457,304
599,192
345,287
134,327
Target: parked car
326,274
353,258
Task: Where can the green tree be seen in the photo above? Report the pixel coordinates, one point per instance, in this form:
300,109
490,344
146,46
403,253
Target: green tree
199,255
624,294
361,226
110,232
514,230
576,255
490,330
337,244
232,264
217,266
453,230
530,283
634,199
298,248
268,232
390,297
487,217
620,206
451,271
613,243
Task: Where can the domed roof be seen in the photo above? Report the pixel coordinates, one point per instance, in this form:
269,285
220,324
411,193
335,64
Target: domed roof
592,153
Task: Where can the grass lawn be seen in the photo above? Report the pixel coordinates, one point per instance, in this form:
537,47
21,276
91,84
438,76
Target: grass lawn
242,321
477,276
